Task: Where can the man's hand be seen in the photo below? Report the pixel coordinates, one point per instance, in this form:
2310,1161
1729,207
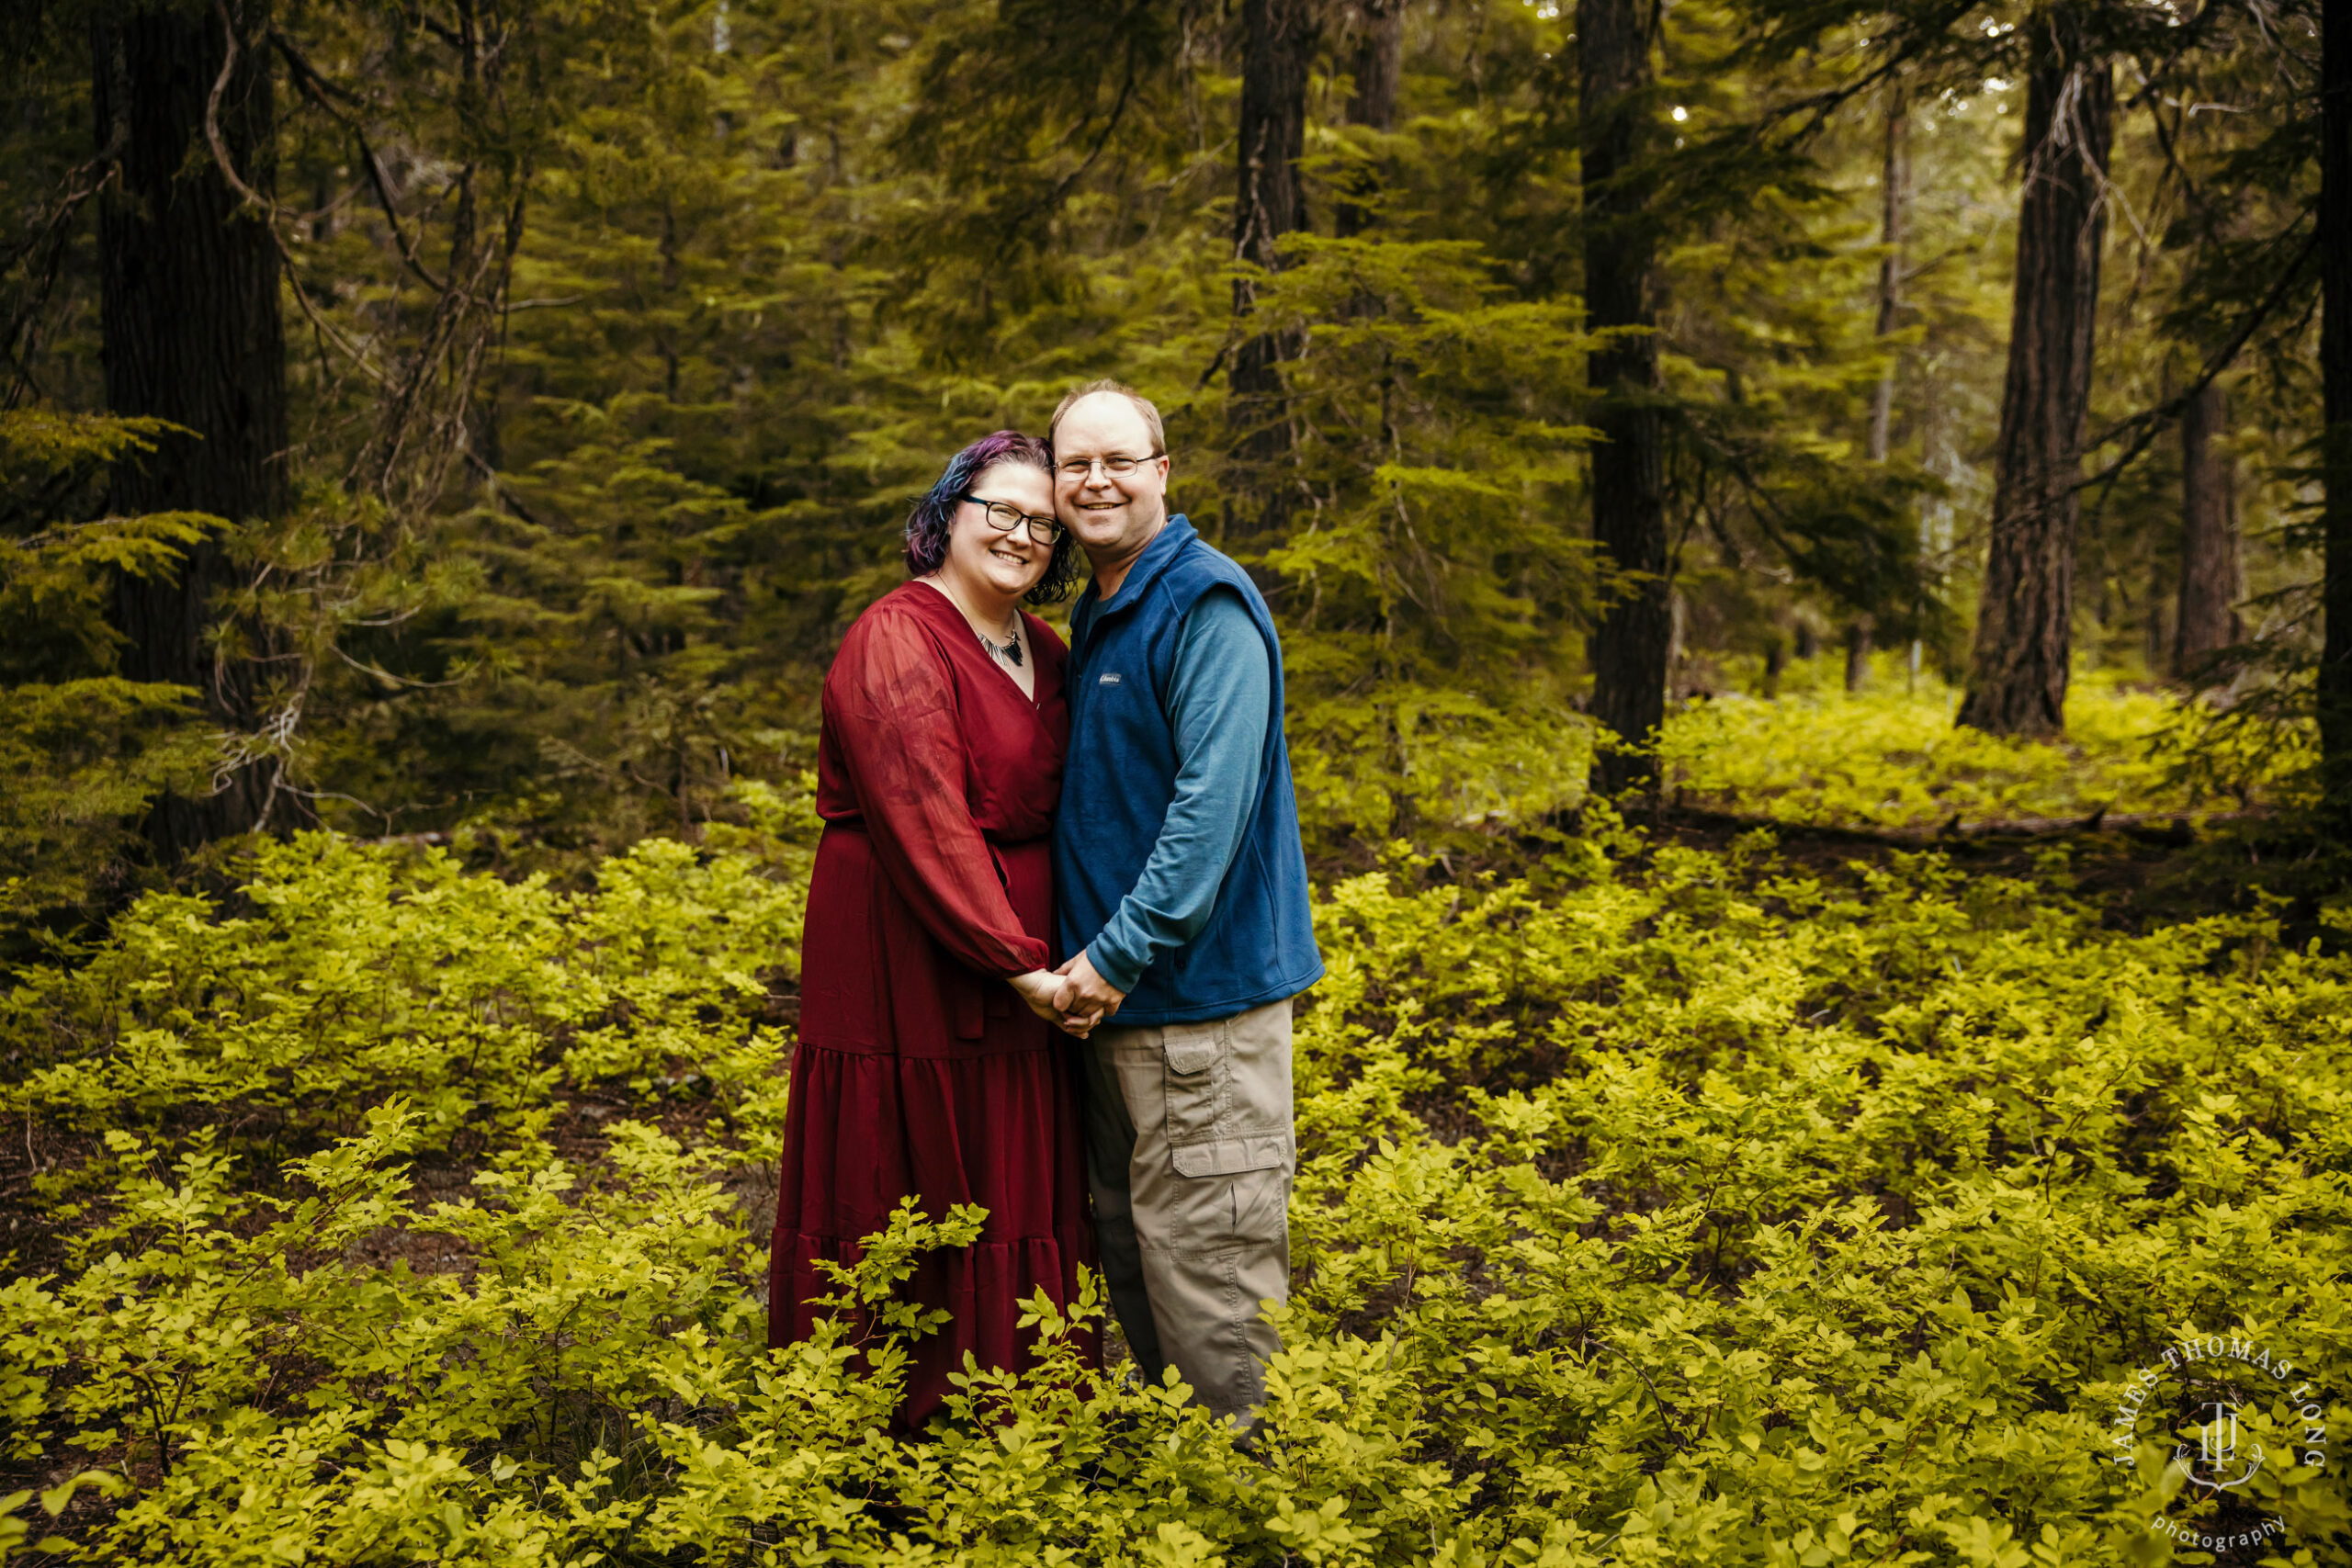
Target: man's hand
1087,998
1044,991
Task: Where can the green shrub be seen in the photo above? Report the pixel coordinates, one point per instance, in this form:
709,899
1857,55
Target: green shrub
84,749
1431,763
352,974
1657,1206
1892,757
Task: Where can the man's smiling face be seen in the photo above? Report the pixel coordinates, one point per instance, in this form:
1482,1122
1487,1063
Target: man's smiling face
1113,515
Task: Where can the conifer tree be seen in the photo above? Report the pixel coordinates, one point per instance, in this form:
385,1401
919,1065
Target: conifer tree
2205,620
1629,647
2335,237
2017,674
780,258
1279,38
186,112
1376,63
1894,177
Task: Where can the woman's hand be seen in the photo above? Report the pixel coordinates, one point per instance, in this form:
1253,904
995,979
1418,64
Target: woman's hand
1046,993
1089,995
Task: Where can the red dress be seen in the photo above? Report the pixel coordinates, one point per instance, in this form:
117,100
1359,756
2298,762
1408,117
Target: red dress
919,1070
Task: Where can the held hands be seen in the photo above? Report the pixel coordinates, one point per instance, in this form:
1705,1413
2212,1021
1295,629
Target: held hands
1073,999
1086,997
1043,990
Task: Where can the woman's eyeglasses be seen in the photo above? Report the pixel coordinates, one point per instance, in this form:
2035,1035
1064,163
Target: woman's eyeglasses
1004,517
1118,466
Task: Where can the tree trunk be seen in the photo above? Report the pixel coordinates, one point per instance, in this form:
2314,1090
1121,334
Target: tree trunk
1629,647
2016,678
2207,620
1894,165
1858,654
189,311
1278,48
1379,67
2335,377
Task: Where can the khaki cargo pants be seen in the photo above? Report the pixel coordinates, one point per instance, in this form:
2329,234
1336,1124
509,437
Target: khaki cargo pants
1191,1153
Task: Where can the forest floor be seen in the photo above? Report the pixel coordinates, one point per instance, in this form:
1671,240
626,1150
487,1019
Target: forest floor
1696,1178
2133,880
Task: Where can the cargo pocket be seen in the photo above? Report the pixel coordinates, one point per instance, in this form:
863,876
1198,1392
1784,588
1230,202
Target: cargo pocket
1205,1137
1199,1078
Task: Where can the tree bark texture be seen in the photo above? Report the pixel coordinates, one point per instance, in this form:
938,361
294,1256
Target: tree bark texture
2016,678
2335,376
1378,70
2210,585
189,311
1894,177
1278,48
1630,646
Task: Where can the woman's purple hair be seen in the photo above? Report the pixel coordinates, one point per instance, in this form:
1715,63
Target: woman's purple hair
933,517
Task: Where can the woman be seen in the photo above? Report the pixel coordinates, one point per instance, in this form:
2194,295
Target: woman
920,1071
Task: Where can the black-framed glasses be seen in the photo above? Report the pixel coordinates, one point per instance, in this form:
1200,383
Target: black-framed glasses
1004,517
1118,465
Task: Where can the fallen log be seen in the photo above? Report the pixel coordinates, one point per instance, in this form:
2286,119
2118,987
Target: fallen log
2177,829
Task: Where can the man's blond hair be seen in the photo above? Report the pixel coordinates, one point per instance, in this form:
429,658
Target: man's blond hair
1143,406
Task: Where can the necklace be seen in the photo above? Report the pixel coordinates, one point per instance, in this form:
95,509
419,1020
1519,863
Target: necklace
1009,652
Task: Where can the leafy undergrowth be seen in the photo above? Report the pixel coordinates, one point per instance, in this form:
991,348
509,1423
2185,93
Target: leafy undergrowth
1657,1205
1891,757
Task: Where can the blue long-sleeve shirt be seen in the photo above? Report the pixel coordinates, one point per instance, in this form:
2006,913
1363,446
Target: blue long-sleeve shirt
1219,703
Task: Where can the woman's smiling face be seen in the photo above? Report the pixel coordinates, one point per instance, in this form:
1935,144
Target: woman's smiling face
1004,565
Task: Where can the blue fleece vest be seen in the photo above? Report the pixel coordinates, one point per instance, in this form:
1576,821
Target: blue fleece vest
1258,944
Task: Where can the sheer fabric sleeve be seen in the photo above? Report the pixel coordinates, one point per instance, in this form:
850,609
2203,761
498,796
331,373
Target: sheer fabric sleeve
894,711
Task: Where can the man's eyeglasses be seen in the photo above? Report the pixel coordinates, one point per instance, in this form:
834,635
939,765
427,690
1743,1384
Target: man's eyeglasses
1118,466
1004,517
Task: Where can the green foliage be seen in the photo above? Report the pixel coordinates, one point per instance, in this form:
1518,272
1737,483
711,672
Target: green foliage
578,537
1430,589
1657,1205
89,754
355,975
1450,764
1660,1205
1426,759
1893,758
88,748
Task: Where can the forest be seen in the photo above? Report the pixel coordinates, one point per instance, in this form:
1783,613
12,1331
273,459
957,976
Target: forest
1812,547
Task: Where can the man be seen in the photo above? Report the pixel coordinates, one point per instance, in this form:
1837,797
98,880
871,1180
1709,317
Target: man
1181,905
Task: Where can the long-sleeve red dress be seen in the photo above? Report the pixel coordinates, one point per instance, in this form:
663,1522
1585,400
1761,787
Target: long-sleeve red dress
919,1070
